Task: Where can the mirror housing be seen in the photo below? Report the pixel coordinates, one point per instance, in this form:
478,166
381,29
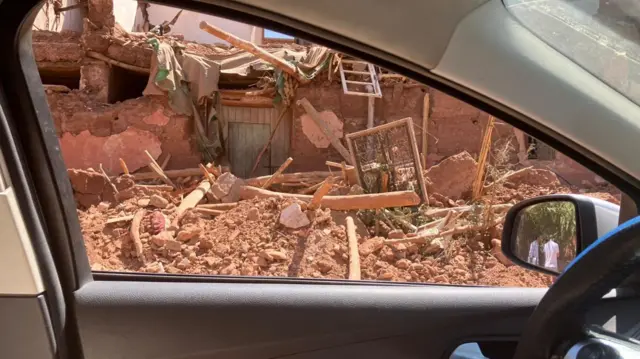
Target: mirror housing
593,218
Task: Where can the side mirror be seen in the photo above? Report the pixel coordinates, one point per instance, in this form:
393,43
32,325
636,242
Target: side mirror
546,233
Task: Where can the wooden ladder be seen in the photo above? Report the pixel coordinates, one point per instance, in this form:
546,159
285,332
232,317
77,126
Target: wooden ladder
367,80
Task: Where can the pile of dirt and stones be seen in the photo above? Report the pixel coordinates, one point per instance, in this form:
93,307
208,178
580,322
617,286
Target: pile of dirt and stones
222,225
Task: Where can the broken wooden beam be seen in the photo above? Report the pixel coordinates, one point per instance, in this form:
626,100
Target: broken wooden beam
119,219
342,203
278,172
254,49
425,238
113,186
335,142
442,212
478,182
155,167
187,172
209,212
354,255
352,174
135,232
191,200
219,206
320,193
253,102
312,177
125,169
313,188
425,128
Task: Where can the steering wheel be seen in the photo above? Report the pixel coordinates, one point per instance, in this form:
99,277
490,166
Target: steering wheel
557,321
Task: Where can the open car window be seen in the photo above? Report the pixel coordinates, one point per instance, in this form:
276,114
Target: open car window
199,145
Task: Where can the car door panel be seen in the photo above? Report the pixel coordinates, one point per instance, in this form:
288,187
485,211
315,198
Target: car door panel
233,320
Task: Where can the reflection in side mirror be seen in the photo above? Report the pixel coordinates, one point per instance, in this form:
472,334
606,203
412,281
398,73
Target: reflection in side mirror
545,235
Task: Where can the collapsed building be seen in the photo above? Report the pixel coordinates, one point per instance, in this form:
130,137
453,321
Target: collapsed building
147,102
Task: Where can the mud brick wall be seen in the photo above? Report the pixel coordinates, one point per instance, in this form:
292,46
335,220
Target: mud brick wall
453,126
93,133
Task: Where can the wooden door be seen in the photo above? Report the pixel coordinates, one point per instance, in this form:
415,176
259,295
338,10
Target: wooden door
245,143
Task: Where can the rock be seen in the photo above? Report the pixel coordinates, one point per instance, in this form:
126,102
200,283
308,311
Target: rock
158,222
103,206
355,190
453,177
441,279
403,263
253,214
228,270
143,202
293,217
221,249
434,247
277,255
324,266
158,201
396,234
496,251
87,182
211,261
371,245
262,262
87,200
161,238
385,275
418,267
535,177
183,264
188,233
227,187
173,245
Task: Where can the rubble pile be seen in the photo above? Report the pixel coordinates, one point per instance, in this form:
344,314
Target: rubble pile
222,231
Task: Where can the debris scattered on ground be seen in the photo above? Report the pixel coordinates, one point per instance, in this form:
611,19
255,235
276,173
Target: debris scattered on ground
269,233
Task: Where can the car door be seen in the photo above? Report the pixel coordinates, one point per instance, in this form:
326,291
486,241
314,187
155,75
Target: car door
132,315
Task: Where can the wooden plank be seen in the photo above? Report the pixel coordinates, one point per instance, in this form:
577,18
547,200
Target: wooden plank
220,206
325,129
315,176
342,203
383,127
354,255
191,200
245,141
416,160
320,193
119,219
187,172
478,182
356,72
274,131
278,172
254,49
359,82
426,106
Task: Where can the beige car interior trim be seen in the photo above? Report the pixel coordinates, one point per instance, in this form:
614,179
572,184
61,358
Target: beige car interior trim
415,30
19,271
493,54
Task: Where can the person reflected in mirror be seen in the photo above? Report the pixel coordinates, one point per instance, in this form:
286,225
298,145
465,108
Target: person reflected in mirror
551,253
534,252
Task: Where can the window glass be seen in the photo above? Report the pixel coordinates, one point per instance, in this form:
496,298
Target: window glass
602,36
188,154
